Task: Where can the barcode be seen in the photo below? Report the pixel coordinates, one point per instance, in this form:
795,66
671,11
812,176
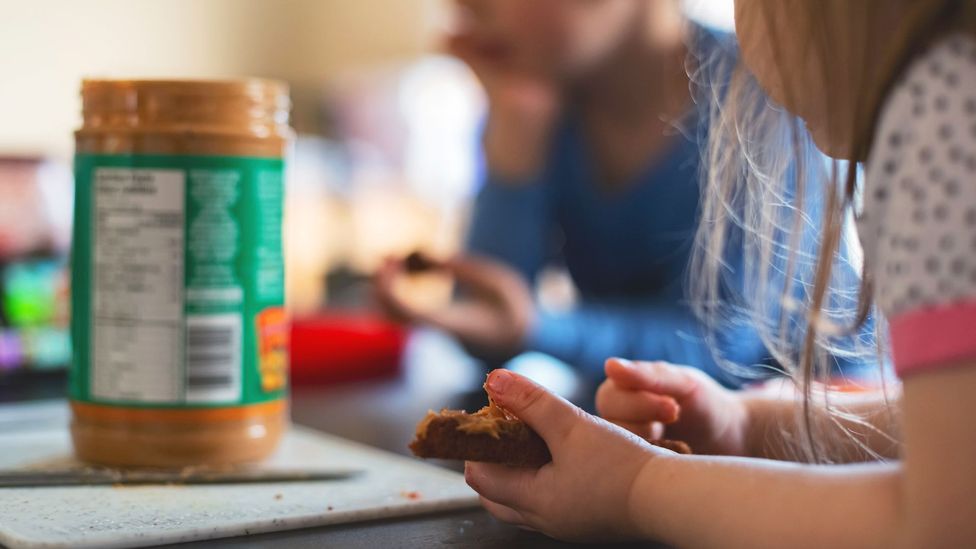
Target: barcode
213,358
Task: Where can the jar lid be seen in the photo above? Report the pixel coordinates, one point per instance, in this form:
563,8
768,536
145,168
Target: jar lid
188,104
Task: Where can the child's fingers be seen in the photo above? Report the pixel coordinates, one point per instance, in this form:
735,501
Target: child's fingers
508,486
484,275
549,415
383,279
614,403
383,293
657,377
504,513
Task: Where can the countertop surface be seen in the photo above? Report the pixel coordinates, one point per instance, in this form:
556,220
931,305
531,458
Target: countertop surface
463,529
383,414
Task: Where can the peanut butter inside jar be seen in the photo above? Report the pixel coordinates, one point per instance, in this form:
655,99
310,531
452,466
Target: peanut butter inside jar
178,325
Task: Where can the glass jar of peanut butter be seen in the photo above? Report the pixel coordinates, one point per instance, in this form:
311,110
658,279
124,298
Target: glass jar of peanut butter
178,325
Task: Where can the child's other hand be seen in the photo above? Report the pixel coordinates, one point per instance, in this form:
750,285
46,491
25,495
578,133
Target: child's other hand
584,493
647,398
493,316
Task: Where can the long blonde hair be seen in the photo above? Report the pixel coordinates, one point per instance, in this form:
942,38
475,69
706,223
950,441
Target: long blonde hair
771,197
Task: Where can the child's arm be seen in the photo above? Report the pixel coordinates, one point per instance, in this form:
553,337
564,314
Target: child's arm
753,423
604,482
866,430
924,501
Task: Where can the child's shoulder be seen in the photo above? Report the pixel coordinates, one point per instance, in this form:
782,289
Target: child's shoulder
918,224
927,123
931,109
941,73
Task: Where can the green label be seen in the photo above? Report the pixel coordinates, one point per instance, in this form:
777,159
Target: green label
178,281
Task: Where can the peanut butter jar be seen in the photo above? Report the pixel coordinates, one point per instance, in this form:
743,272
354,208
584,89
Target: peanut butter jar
180,349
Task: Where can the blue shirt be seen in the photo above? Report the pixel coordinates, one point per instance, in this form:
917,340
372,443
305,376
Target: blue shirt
627,251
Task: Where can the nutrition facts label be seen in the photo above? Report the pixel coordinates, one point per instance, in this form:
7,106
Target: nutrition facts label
138,284
179,281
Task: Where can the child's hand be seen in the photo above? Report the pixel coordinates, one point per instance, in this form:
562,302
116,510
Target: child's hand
584,493
643,396
493,317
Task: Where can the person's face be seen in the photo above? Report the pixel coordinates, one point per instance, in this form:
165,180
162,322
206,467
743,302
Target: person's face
554,37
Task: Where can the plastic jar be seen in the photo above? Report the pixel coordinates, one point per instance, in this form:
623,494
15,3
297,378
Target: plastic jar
179,333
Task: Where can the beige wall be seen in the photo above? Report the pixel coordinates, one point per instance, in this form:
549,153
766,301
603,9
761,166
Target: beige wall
49,45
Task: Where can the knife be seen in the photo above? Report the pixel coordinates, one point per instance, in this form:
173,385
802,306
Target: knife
113,477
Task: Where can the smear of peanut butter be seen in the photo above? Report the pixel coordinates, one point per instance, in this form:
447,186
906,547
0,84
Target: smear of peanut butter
491,420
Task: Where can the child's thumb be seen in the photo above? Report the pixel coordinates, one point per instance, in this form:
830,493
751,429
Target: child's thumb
547,414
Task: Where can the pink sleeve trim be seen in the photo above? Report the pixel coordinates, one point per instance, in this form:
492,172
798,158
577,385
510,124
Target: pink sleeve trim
934,338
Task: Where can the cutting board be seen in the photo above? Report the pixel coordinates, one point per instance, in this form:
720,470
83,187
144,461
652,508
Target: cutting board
106,517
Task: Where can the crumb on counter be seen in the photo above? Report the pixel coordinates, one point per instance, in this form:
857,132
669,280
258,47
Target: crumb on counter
412,495
329,508
278,497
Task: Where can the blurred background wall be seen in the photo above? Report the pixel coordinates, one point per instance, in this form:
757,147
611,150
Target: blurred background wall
385,162
49,45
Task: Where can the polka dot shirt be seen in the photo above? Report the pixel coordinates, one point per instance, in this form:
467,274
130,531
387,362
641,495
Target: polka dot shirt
918,224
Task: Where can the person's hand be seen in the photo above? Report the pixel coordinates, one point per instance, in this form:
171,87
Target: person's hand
523,104
657,399
492,316
584,493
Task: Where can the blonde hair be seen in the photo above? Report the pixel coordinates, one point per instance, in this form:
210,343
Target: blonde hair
771,197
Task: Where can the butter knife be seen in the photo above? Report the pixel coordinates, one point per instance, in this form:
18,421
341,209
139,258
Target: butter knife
113,477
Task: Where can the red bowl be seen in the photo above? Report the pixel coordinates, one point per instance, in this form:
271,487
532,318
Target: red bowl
344,346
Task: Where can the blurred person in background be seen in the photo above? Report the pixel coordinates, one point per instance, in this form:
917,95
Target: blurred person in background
592,153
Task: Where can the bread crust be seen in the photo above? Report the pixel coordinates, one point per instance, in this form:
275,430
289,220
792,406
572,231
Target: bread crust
515,444
491,435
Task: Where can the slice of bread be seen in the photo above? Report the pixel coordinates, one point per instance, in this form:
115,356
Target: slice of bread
487,436
491,435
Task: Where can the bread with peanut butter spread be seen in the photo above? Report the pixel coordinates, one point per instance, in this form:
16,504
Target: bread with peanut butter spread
490,435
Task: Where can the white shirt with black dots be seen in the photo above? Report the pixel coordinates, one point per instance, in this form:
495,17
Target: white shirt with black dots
918,224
